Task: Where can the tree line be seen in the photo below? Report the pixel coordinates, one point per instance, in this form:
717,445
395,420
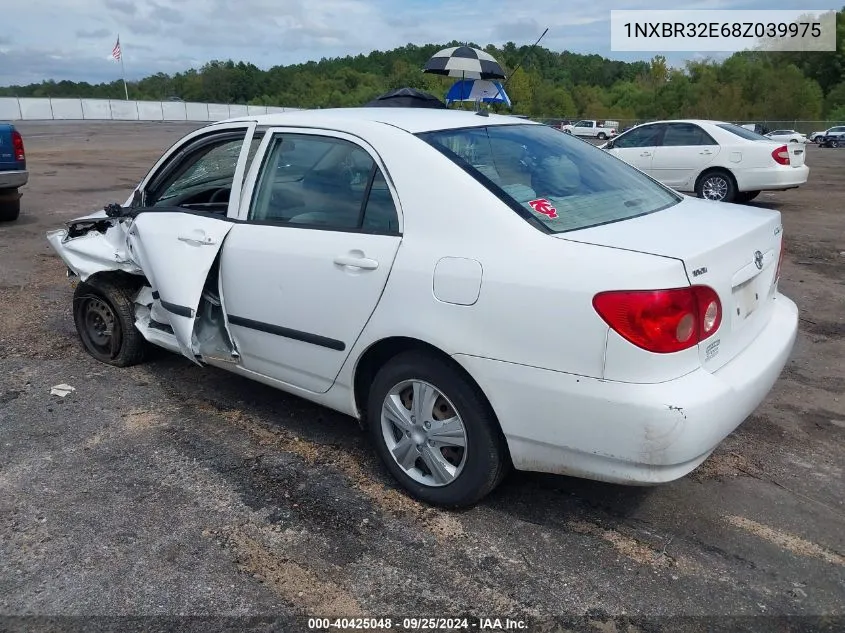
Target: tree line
751,85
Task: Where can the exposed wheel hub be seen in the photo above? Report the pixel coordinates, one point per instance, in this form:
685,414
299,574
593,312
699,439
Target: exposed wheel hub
99,321
419,436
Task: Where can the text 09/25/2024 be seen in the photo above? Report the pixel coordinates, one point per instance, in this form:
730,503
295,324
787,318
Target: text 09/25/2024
491,624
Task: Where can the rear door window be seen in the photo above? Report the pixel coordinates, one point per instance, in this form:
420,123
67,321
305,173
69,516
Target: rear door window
684,134
323,182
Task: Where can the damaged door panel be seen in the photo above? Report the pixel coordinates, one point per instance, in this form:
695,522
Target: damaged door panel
181,308
176,252
170,231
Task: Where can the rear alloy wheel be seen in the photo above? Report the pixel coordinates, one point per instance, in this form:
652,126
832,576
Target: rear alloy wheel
834,143
434,431
746,196
717,186
104,316
602,136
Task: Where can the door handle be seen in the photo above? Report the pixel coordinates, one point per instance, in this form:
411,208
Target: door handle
193,241
356,262
646,154
706,152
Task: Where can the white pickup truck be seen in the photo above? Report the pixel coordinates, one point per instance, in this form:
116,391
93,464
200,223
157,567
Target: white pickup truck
597,129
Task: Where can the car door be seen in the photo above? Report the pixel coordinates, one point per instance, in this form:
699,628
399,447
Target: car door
583,128
684,152
636,147
182,213
304,270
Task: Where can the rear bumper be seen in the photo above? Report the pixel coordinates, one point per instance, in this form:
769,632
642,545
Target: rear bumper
631,433
13,179
770,179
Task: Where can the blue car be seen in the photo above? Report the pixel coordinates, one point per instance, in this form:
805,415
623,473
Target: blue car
13,172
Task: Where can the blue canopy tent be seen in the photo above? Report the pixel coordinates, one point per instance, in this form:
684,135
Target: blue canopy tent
478,90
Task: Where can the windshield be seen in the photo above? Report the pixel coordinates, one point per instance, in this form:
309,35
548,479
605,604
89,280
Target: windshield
564,182
743,132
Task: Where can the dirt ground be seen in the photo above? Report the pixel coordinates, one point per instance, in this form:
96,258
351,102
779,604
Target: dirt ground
171,490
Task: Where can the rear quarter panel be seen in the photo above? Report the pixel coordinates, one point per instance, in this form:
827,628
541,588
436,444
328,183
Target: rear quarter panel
535,301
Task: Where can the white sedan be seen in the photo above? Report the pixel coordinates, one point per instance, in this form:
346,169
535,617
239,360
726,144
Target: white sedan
787,136
713,159
480,292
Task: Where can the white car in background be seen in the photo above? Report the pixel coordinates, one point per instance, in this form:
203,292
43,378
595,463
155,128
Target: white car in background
788,136
481,292
713,159
815,137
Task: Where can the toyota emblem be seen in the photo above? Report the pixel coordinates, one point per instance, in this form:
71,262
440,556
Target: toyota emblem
758,260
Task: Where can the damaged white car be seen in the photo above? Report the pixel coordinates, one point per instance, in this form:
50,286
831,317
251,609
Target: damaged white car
482,293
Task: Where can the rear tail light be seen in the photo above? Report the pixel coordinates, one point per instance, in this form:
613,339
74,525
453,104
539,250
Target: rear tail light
662,321
17,145
781,155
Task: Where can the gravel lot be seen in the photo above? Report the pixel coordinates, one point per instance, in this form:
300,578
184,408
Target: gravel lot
167,489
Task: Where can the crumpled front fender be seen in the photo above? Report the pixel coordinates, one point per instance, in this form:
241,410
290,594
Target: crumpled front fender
93,245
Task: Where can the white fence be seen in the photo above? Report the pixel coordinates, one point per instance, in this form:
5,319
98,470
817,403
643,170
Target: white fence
30,109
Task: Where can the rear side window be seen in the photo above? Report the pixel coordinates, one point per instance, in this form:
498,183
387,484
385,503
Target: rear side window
323,182
678,134
556,179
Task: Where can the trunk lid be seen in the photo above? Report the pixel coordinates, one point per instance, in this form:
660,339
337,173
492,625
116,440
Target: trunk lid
733,249
797,153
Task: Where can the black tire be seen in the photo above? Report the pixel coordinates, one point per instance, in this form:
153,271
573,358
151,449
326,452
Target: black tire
100,302
486,460
834,143
10,206
602,136
707,183
746,196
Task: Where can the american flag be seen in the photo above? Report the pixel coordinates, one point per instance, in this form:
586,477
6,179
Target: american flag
116,50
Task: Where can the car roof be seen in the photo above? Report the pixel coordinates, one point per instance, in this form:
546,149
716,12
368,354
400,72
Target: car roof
695,121
413,120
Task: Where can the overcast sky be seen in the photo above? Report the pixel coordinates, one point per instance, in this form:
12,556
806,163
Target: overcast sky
73,39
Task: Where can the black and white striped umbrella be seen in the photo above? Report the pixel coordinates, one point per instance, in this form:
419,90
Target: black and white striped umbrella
465,62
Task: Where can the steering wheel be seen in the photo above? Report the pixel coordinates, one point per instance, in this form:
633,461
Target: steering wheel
218,195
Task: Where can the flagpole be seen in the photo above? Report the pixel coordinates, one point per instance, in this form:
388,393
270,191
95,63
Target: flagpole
123,69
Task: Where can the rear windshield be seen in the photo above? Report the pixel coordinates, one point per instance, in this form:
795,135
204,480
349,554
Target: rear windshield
562,181
743,132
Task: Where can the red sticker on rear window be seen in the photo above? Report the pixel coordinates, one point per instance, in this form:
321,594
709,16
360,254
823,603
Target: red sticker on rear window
541,205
